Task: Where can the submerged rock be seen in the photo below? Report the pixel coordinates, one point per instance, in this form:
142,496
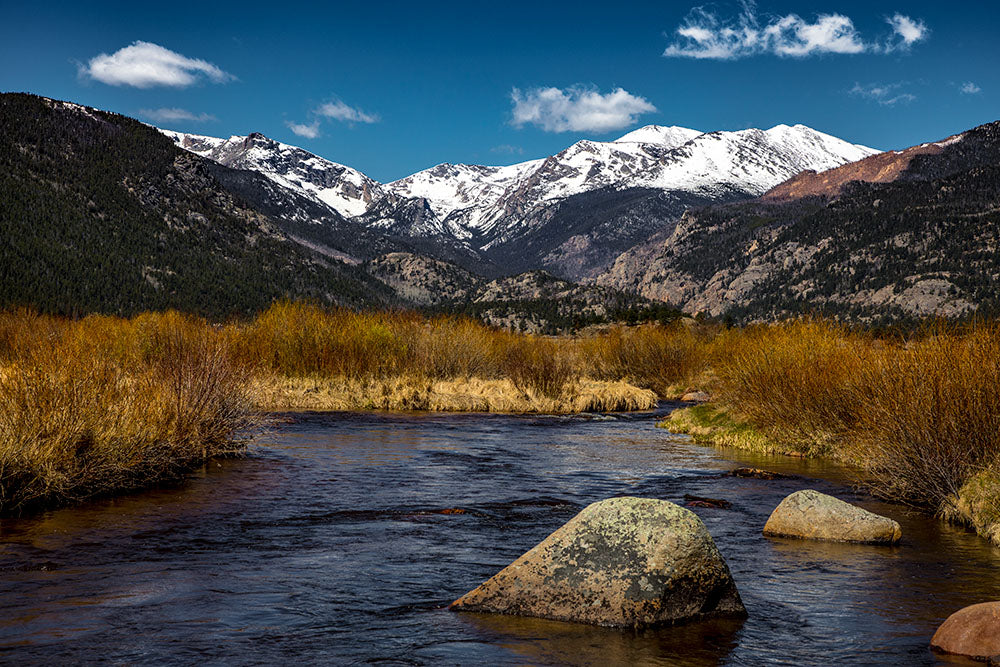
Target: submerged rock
973,632
701,501
813,515
621,562
758,473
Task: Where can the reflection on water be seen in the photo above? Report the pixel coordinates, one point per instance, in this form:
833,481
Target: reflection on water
539,641
344,538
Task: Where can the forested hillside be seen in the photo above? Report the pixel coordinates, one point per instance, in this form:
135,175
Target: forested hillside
101,213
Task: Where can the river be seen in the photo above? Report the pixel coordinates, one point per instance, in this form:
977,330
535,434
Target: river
342,538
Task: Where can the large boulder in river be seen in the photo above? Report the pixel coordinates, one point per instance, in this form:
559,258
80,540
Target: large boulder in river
621,562
813,515
973,632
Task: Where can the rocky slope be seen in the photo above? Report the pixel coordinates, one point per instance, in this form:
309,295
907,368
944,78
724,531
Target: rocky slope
534,301
423,280
906,234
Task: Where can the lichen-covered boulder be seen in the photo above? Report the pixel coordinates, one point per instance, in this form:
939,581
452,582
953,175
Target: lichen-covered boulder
813,515
621,562
973,632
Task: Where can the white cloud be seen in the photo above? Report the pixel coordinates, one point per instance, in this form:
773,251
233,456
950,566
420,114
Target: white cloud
886,94
310,131
831,33
339,111
144,65
508,149
704,36
577,109
906,32
970,88
336,110
175,115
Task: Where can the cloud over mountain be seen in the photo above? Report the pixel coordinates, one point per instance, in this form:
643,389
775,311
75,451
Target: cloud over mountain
886,94
338,110
577,109
309,131
144,65
174,115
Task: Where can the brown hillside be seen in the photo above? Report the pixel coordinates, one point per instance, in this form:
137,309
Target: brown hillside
881,168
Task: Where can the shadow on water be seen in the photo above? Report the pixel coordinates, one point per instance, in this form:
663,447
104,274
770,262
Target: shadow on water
539,641
345,536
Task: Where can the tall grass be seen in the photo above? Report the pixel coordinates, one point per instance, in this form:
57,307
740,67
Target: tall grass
799,381
653,356
930,421
538,364
105,405
299,340
920,416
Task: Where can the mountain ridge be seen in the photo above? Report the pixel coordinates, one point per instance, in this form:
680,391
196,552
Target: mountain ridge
500,213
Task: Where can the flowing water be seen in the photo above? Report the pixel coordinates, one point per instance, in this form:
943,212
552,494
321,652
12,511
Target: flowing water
343,538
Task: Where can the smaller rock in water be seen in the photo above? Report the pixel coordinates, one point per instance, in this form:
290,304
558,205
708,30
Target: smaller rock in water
973,632
697,396
621,562
701,501
812,515
758,473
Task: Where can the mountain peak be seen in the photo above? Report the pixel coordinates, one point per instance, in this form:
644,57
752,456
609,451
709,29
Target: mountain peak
670,136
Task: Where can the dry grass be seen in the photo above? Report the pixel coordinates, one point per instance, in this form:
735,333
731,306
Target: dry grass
660,358
101,405
920,416
105,405
390,351
798,382
458,395
930,421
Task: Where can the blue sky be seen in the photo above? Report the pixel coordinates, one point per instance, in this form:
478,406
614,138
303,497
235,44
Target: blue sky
391,88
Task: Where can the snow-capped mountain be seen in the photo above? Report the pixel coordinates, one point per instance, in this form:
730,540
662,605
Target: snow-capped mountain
488,208
345,190
475,201
493,206
471,190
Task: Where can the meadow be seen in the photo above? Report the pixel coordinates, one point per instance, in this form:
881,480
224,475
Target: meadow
101,405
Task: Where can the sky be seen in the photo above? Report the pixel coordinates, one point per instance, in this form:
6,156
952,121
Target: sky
392,88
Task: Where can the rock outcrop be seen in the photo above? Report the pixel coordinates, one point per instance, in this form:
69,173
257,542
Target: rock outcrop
621,562
813,515
973,632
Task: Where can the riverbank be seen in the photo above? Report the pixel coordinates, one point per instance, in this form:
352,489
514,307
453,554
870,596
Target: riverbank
399,394
976,504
